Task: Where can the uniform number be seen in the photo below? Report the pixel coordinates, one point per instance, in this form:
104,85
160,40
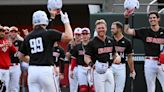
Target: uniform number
36,45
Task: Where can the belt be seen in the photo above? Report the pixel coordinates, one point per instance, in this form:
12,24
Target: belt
152,58
14,64
5,68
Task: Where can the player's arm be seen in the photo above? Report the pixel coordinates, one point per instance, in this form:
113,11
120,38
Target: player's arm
89,53
127,29
67,35
23,57
130,62
131,66
117,58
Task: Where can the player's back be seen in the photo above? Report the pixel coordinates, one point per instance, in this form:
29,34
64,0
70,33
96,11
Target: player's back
39,45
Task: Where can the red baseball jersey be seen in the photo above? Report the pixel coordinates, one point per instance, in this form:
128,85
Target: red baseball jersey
5,52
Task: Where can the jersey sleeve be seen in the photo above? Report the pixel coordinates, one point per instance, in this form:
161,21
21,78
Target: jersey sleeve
89,49
54,35
114,50
69,47
74,52
61,60
23,48
140,33
62,54
129,48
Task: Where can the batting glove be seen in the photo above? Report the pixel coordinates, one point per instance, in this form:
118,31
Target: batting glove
64,17
133,74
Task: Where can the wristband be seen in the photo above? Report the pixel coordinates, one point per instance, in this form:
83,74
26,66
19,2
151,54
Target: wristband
126,20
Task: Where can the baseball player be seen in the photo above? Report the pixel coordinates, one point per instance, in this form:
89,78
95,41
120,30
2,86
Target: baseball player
15,70
58,55
123,48
153,38
38,46
82,67
7,31
73,69
102,49
6,48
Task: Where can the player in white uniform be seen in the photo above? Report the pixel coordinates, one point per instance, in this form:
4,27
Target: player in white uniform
82,67
73,69
38,46
6,48
101,51
124,49
15,70
153,38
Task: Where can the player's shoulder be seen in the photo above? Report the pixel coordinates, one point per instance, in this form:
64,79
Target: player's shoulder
162,28
126,39
52,30
109,38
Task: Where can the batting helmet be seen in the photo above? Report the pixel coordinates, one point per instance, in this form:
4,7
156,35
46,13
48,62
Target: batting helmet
131,4
54,4
40,17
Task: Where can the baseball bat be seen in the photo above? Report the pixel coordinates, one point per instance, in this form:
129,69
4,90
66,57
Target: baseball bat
131,84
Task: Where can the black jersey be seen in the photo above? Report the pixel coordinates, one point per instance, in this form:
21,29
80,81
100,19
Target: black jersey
152,40
123,47
58,55
14,57
101,50
38,45
69,48
78,53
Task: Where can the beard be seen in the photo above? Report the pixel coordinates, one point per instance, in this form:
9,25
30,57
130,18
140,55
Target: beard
2,36
101,33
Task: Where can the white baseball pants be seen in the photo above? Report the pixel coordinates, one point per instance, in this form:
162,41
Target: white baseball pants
41,79
15,73
4,76
119,72
83,76
153,71
103,82
73,82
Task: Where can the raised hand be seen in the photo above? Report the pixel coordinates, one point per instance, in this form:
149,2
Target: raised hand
64,17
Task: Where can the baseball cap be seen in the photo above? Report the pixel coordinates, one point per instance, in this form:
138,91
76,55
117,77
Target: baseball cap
13,28
85,30
40,17
54,4
77,31
6,28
